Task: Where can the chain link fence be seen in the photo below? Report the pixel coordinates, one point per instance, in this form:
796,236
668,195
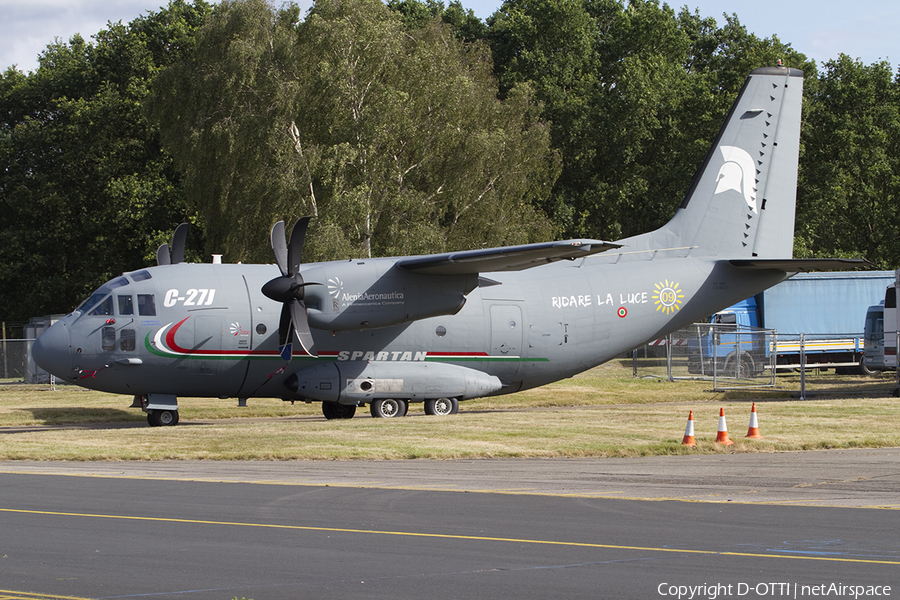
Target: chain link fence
727,356
741,358
16,364
14,351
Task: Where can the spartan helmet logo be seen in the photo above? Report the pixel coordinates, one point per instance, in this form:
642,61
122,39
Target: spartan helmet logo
738,174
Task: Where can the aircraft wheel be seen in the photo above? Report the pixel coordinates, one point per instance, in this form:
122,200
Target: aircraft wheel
162,418
442,406
333,410
388,408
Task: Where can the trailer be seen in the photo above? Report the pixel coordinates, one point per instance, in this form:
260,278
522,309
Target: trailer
817,315
881,327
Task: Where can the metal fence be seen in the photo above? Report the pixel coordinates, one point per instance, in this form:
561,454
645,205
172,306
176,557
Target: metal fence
728,357
14,359
16,364
732,358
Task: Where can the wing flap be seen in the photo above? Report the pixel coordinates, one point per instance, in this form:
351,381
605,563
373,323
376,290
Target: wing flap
798,265
507,258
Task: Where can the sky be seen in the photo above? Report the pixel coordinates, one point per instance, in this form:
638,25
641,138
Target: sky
821,29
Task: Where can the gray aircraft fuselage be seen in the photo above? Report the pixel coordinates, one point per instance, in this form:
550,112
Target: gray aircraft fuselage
214,334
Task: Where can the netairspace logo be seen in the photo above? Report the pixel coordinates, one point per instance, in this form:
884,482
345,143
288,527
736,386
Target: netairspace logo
772,590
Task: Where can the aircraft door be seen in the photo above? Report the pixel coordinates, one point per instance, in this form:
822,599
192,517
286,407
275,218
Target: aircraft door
207,337
506,336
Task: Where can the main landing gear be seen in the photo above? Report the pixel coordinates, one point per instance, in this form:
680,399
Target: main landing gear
442,406
333,410
388,408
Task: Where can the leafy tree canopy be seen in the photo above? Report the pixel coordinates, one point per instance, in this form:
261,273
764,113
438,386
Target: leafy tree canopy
387,129
86,190
849,184
634,92
406,127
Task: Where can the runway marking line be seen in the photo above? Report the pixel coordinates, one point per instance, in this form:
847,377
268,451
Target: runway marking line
11,595
445,536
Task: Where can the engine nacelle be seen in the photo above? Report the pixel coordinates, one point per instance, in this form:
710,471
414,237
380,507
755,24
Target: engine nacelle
358,382
368,294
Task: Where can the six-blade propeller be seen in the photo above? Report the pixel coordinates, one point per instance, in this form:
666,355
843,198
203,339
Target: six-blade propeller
289,288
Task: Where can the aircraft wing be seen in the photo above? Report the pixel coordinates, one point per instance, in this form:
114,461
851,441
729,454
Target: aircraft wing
797,265
507,258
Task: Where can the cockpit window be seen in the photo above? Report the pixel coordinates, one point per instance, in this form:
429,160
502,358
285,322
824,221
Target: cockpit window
141,276
90,306
103,308
92,301
126,305
146,305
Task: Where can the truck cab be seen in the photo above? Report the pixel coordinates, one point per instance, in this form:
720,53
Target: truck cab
732,346
873,334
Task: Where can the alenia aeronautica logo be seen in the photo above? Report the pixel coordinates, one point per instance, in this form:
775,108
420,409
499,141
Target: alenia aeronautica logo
335,287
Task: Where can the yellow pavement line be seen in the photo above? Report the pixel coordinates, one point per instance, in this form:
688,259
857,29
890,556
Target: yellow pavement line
445,536
11,595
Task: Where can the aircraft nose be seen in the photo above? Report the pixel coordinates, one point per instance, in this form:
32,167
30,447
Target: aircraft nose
51,350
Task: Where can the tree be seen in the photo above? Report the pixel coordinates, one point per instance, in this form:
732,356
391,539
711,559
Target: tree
389,131
849,183
86,190
634,93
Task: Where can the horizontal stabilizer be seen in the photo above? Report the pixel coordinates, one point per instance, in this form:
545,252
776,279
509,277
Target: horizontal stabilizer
798,265
509,258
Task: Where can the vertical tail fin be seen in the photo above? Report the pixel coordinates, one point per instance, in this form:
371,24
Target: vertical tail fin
741,202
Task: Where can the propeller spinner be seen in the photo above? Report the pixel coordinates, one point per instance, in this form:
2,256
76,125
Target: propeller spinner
289,288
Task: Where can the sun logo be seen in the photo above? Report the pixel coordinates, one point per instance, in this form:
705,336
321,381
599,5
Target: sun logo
668,297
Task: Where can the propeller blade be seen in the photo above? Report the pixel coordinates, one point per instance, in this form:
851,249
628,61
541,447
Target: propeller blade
284,326
295,250
279,247
162,255
300,322
284,333
178,240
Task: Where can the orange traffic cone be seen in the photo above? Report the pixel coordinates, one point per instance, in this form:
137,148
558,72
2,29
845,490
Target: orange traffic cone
722,435
689,432
753,431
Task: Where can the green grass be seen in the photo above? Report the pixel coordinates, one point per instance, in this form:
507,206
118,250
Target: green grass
604,412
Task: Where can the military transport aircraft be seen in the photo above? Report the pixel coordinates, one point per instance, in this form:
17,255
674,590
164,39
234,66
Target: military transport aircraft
442,328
